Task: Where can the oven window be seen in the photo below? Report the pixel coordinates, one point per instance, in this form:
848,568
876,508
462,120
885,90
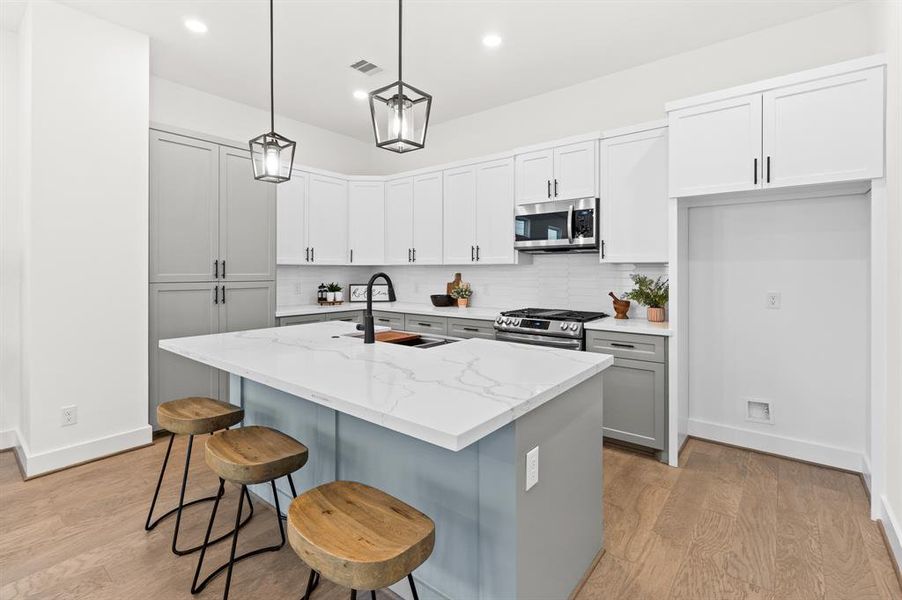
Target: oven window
545,226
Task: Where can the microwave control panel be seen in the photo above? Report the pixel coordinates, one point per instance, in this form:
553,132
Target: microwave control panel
584,223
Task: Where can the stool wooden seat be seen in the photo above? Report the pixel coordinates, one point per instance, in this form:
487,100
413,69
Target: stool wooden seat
197,415
358,536
254,454
191,416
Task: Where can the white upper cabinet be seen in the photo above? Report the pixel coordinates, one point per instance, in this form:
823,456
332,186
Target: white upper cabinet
574,171
825,130
535,171
460,215
819,126
291,220
399,221
716,147
327,220
634,200
495,212
427,219
366,216
561,173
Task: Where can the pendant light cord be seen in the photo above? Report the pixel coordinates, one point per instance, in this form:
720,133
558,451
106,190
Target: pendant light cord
272,93
400,22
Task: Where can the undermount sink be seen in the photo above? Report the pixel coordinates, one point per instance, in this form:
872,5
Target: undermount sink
419,341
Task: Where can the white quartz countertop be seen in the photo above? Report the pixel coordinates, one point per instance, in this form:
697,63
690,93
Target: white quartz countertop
483,313
450,395
630,326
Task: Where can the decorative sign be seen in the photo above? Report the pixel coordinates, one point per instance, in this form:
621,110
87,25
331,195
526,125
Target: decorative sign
358,292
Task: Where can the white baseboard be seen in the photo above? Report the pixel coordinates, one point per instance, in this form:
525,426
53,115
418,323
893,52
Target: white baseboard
831,456
893,528
9,438
866,472
59,458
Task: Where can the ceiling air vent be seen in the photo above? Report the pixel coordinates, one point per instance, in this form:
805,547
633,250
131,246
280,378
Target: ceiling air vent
366,67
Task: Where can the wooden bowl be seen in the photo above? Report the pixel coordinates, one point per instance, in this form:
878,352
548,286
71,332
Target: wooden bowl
621,308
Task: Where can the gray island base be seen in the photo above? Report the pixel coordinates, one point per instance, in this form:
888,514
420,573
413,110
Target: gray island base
493,538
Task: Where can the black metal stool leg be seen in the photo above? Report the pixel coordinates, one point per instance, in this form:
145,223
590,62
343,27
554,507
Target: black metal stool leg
228,583
148,525
413,587
353,594
372,594
203,549
312,584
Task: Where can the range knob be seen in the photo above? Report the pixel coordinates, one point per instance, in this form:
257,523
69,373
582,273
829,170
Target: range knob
517,322
507,321
563,326
573,326
499,320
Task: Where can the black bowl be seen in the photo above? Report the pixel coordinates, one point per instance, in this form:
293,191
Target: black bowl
441,300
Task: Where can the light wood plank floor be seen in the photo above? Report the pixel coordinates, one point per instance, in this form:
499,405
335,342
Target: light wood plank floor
730,524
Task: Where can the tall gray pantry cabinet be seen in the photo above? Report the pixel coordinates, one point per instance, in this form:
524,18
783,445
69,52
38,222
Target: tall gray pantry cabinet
212,256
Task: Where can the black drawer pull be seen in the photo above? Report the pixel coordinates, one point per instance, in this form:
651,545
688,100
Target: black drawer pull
618,345
384,320
471,329
425,324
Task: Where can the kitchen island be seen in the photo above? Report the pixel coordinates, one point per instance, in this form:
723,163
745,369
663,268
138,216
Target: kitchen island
446,429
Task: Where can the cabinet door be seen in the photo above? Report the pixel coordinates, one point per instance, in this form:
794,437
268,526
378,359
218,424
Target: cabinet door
178,310
247,220
327,220
459,223
427,219
348,316
244,305
423,324
495,212
635,402
398,221
300,320
574,171
184,201
716,147
535,171
366,223
634,201
291,220
825,130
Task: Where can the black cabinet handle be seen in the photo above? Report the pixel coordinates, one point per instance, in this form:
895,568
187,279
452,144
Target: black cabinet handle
555,188
602,248
548,181
307,255
470,329
384,320
414,255
472,255
223,276
425,324
408,255
215,294
477,253
216,269
768,169
616,345
223,294
755,171
352,255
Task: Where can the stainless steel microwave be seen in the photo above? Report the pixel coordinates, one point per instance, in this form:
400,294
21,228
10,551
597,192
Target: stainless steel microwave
556,226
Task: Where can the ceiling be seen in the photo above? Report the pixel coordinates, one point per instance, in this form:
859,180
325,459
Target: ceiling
547,44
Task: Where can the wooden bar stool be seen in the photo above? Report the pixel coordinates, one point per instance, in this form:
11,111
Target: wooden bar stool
191,416
358,537
246,456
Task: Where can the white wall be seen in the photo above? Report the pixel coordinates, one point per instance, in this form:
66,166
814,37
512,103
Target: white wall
639,94
177,105
84,319
10,243
810,357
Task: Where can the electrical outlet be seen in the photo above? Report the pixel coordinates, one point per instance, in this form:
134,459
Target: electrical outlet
759,411
773,300
532,468
69,415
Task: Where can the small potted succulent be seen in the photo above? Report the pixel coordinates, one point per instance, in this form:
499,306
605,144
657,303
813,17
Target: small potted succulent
462,292
651,293
333,293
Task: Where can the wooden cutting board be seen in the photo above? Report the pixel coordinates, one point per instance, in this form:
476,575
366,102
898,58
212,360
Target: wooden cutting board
396,337
453,284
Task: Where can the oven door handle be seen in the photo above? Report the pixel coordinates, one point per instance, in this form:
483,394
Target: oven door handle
538,340
570,224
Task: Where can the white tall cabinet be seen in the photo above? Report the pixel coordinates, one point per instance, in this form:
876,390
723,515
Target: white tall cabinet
366,214
327,220
460,215
634,200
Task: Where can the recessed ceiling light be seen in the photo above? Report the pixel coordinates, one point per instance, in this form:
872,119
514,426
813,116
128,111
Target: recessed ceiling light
196,26
491,40
361,95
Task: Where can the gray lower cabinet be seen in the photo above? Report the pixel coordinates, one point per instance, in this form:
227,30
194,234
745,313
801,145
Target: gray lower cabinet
635,387
421,324
300,320
471,328
388,319
350,316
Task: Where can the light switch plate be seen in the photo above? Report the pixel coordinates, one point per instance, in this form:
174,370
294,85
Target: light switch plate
532,468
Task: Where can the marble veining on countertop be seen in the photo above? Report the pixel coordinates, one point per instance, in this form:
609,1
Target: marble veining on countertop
450,395
413,308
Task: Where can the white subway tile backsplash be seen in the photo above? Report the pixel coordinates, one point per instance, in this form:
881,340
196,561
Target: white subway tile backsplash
575,281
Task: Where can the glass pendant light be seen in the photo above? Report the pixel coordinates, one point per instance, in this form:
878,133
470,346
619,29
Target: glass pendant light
400,112
272,154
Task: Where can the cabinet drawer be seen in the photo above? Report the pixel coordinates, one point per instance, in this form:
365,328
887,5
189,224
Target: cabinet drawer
300,320
387,319
635,402
421,324
351,316
471,328
628,345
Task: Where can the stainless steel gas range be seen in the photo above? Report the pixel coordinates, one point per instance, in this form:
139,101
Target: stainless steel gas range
545,327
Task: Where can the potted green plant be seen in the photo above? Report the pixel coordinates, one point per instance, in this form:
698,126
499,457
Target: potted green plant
651,293
462,292
333,293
